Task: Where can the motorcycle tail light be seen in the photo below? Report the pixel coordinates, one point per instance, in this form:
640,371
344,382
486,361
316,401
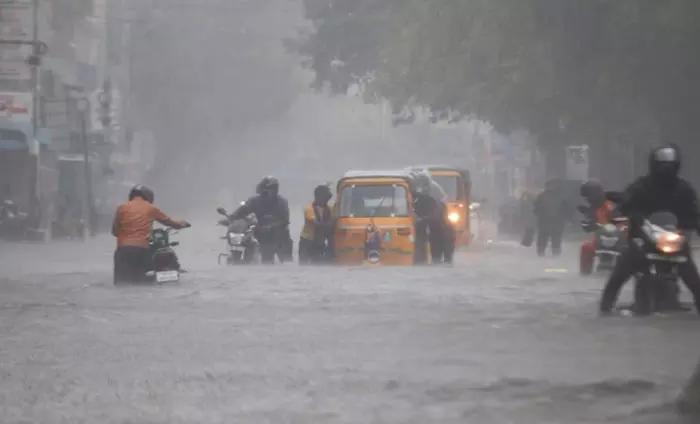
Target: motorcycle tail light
670,242
403,231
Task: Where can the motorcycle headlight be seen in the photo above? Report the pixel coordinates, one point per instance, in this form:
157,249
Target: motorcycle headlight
235,239
453,217
610,228
668,242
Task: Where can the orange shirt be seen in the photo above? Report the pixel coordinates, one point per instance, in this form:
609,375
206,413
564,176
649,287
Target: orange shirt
133,222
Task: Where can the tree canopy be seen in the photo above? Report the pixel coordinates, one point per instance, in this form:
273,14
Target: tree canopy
604,72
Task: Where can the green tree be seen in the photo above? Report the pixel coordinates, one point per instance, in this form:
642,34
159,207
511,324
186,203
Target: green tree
346,40
610,73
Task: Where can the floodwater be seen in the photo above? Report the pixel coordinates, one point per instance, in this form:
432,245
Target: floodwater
502,337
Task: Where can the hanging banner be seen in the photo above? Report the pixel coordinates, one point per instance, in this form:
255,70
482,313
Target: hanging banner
577,163
16,107
15,24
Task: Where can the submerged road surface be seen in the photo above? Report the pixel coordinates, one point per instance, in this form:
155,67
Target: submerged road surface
503,337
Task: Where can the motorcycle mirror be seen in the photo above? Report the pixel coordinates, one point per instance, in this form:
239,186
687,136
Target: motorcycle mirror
223,222
175,243
221,211
588,226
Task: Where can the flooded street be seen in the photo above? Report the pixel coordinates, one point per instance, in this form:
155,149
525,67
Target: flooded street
500,338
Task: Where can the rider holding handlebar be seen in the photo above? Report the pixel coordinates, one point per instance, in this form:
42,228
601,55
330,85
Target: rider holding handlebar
133,223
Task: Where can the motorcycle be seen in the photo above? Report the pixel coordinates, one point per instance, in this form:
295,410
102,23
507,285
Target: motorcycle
663,247
610,240
165,263
242,246
12,221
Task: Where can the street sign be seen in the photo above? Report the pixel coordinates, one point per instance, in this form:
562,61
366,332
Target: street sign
104,110
577,163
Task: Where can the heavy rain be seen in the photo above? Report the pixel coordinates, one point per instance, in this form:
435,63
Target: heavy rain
455,276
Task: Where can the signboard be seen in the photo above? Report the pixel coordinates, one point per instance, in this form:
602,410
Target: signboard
19,13
15,24
14,53
16,106
15,31
577,163
20,3
96,111
16,19
14,70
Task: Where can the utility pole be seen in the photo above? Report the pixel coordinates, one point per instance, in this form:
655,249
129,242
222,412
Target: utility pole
45,220
88,228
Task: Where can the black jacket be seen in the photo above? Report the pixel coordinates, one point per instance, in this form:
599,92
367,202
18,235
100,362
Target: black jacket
276,208
551,209
646,196
433,214
428,208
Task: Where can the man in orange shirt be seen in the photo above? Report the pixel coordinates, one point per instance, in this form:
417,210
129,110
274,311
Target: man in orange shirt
132,227
601,212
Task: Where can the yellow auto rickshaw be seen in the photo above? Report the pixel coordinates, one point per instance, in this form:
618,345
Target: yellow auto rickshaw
456,183
374,219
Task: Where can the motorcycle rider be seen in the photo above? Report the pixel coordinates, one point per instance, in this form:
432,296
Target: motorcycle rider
551,212
600,211
433,188
660,190
268,203
432,225
132,226
315,236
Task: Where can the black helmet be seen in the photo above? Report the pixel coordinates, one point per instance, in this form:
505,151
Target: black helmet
593,191
323,193
665,162
590,187
143,192
268,186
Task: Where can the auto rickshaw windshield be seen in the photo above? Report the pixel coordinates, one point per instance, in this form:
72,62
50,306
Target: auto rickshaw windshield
451,184
374,201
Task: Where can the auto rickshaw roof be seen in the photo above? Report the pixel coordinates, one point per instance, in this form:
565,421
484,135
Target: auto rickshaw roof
438,168
369,174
